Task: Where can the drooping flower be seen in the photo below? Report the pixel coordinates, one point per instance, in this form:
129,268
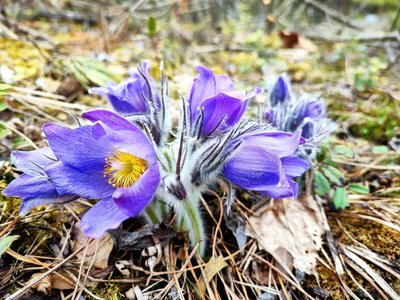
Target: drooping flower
287,112
138,99
214,106
34,186
111,160
133,95
265,162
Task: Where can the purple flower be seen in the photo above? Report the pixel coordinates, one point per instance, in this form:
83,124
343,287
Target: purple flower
133,95
286,112
111,160
34,186
281,90
213,104
265,163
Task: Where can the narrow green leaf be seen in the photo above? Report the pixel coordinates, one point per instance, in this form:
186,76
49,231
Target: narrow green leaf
334,175
4,131
5,87
3,105
343,150
358,188
6,242
152,26
340,199
321,184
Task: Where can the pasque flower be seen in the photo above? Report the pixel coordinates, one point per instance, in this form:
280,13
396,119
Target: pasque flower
133,95
266,163
111,160
214,106
287,112
138,99
34,186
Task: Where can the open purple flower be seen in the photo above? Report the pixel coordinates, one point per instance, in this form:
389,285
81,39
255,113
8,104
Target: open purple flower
133,95
34,186
213,104
265,163
111,160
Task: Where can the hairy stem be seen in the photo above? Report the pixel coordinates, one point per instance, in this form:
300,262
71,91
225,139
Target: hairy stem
191,221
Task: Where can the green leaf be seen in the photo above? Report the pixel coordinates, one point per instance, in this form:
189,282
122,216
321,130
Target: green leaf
334,175
340,199
152,26
3,105
5,87
343,150
382,149
19,141
4,131
359,188
6,242
321,184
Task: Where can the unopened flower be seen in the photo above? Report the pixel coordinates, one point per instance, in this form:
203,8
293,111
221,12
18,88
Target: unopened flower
214,106
34,186
133,95
138,99
111,160
287,112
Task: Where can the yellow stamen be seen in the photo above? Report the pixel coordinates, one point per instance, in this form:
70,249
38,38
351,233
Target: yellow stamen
123,168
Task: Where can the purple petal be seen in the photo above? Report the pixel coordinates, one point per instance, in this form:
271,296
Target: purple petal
280,143
280,91
223,84
134,199
294,166
110,119
103,216
253,168
89,184
315,109
77,148
221,107
28,204
204,87
26,186
33,162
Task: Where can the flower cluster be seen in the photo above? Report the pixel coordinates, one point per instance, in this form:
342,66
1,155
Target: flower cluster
129,163
287,112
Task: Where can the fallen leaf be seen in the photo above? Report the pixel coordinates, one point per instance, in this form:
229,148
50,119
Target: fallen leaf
291,225
214,265
105,246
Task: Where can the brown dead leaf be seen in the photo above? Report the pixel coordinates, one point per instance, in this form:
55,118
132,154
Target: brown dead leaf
52,281
105,246
291,225
215,265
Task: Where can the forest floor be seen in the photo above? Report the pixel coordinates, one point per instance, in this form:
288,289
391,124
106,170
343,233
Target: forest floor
48,62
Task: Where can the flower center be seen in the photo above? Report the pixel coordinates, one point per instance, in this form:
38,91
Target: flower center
123,168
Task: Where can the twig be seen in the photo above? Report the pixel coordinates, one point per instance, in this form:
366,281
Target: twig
332,13
22,291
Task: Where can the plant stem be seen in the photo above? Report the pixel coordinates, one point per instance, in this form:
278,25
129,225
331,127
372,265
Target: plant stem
192,222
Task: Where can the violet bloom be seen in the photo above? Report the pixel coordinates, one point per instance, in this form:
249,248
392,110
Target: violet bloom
34,186
111,160
133,95
265,162
287,113
214,106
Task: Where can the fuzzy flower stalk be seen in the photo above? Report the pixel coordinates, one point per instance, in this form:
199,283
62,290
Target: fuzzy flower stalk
128,162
